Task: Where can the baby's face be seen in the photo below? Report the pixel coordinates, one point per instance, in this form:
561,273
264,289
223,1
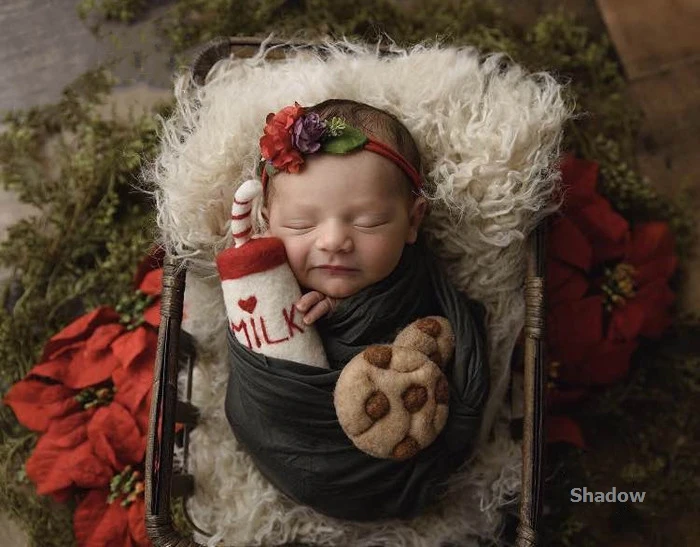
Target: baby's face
346,211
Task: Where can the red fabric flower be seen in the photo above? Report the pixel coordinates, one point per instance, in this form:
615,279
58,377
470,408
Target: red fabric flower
606,286
97,521
563,429
81,450
588,233
276,144
90,396
63,459
650,253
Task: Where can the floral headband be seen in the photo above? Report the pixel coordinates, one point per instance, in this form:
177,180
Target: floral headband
291,133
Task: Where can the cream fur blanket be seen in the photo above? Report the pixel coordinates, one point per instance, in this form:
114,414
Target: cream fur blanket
489,134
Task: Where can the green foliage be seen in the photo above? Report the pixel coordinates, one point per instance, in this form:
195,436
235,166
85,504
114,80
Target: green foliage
91,227
123,11
78,252
47,523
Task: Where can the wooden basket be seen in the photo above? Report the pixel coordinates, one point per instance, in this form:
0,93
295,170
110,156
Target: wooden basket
176,350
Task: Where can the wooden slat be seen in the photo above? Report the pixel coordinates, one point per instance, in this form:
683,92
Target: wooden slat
652,35
658,43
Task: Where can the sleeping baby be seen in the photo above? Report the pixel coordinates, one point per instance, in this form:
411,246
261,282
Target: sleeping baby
342,191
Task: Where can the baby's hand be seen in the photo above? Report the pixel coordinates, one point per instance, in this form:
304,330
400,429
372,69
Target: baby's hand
316,304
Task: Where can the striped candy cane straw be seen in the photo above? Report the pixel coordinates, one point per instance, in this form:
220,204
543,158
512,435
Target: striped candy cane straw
241,223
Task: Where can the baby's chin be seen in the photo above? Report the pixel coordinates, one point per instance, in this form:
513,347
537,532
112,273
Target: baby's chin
336,288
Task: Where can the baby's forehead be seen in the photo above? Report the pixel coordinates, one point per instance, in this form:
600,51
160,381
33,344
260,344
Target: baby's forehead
364,176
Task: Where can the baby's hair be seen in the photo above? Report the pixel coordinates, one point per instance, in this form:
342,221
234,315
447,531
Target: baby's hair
374,122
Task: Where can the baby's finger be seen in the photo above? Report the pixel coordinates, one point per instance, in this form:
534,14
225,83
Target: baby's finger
309,300
317,311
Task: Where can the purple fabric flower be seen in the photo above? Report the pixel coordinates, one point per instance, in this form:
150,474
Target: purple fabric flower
307,133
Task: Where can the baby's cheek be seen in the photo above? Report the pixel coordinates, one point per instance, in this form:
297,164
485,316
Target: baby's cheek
296,256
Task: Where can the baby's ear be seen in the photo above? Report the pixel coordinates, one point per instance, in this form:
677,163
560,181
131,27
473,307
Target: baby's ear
415,217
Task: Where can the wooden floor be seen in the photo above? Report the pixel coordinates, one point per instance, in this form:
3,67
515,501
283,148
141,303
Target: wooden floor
658,43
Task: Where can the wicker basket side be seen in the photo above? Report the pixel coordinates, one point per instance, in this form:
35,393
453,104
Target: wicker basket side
533,396
161,429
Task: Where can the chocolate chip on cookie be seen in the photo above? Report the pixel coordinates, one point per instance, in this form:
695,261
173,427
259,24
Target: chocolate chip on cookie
377,405
407,448
429,326
432,336
379,356
414,398
442,391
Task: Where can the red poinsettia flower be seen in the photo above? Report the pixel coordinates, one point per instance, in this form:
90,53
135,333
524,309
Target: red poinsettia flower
638,290
606,286
93,384
81,450
276,144
588,234
105,519
63,459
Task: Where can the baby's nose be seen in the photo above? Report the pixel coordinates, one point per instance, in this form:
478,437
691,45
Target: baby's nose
334,237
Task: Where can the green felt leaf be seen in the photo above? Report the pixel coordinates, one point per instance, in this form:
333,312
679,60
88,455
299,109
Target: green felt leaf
350,139
271,170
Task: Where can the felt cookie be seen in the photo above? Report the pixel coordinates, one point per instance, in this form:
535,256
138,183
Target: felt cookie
432,336
392,400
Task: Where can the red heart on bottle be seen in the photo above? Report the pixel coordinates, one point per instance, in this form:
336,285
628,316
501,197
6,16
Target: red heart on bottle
248,304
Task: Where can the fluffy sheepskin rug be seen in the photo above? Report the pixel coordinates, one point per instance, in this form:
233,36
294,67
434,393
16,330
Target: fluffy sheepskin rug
489,134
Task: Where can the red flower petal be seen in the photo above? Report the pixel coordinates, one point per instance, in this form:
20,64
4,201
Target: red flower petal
598,221
561,429
55,468
152,283
96,522
649,239
55,369
558,396
603,364
564,283
142,414
573,327
153,261
103,337
660,268
37,404
134,384
646,313
70,431
626,321
651,252
130,345
115,436
579,178
88,368
79,330
89,363
137,522
568,244
152,314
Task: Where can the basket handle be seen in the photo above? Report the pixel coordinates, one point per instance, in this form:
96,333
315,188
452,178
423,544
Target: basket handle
223,47
161,427
533,426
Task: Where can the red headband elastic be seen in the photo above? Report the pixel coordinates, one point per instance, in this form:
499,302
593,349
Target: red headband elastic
383,150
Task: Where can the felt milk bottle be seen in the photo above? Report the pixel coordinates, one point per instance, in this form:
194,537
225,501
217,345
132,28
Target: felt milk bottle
260,291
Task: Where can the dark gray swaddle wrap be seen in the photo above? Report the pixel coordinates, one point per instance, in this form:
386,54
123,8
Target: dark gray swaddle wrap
282,411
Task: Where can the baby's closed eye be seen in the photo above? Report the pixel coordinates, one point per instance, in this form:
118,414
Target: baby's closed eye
299,225
371,222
